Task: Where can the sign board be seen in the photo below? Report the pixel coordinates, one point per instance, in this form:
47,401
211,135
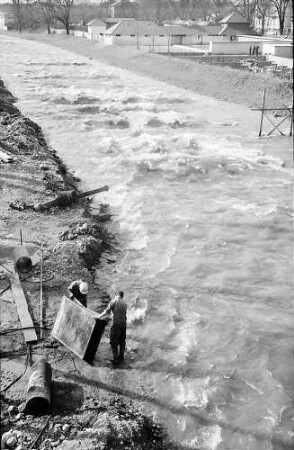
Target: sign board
78,329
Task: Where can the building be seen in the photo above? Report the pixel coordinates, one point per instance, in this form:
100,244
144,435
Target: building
130,32
183,35
234,24
96,29
111,21
6,18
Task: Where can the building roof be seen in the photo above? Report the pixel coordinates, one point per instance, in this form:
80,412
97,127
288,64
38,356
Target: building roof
148,28
118,2
176,30
128,27
113,20
234,17
234,30
96,23
213,30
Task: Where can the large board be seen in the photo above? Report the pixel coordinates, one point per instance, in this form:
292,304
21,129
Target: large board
77,329
22,306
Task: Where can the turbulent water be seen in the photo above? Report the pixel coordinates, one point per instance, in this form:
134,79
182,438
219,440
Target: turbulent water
204,220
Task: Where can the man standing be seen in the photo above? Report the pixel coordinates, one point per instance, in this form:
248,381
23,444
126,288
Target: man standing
118,307
79,290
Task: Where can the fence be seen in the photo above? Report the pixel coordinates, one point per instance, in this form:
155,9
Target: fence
76,33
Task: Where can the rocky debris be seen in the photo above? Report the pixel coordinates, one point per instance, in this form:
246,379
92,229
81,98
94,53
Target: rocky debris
12,409
5,157
14,440
19,205
114,424
90,250
82,229
92,238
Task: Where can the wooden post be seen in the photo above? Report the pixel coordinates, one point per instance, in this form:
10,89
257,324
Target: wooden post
41,294
277,127
262,113
20,234
291,121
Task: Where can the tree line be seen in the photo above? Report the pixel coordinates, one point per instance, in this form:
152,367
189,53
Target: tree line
33,14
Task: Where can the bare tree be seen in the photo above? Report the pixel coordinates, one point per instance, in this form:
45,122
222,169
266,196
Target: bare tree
281,8
62,10
18,14
262,8
246,8
188,9
220,8
47,8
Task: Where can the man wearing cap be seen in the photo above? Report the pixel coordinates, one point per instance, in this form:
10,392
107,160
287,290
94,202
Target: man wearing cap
118,307
79,290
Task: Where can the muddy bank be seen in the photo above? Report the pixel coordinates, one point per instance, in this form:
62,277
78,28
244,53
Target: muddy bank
75,240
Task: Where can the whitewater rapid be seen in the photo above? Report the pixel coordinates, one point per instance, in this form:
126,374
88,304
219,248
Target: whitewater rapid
203,218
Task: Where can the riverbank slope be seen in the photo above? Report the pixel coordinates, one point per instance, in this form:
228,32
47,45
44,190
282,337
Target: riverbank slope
223,83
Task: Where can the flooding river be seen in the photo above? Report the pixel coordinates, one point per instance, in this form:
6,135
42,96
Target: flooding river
204,222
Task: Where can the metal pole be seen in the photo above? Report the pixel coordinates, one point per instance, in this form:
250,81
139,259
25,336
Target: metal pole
291,122
262,113
20,233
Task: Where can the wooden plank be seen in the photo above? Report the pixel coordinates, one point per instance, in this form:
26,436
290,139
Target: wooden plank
277,127
22,306
262,113
78,329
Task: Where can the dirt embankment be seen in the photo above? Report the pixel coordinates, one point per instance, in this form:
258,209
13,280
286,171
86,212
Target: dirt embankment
83,416
224,83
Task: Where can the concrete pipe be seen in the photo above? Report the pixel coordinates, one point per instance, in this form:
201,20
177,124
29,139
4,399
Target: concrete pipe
38,399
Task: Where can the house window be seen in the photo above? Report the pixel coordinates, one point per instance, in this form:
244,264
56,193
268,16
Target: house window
132,35
118,35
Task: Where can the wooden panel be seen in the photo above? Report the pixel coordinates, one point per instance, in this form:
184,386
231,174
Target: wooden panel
77,329
22,306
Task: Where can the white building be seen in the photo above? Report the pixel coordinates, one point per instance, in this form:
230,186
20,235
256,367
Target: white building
96,28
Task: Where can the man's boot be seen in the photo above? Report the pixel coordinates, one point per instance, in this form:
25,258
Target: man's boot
115,353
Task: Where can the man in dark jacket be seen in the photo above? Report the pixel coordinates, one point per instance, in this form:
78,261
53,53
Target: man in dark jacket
79,290
118,307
